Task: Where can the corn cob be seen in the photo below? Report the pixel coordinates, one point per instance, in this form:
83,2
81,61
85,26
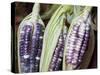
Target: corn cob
77,40
57,57
25,47
37,39
30,36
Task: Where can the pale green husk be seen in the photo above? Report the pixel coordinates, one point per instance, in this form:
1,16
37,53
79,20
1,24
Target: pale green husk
51,36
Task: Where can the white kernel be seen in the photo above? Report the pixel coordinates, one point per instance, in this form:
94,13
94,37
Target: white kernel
60,55
69,54
86,35
26,56
77,48
79,43
79,40
75,55
75,28
82,25
71,45
69,57
84,44
82,51
74,61
79,60
25,48
60,39
81,33
83,48
72,40
37,58
26,39
70,51
73,37
41,37
56,48
26,42
55,55
28,29
87,28
78,23
74,32
85,38
59,59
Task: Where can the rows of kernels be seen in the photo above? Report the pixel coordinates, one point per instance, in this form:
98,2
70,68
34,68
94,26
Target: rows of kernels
80,35
85,41
37,40
57,55
71,44
77,44
25,42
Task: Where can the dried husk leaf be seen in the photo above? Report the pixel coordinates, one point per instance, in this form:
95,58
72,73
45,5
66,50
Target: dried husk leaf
49,44
51,36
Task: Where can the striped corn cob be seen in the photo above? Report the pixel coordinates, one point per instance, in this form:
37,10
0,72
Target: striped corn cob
57,57
77,41
25,47
37,39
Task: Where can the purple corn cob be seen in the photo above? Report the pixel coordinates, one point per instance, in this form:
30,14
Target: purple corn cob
37,39
25,47
84,42
77,42
57,58
30,46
